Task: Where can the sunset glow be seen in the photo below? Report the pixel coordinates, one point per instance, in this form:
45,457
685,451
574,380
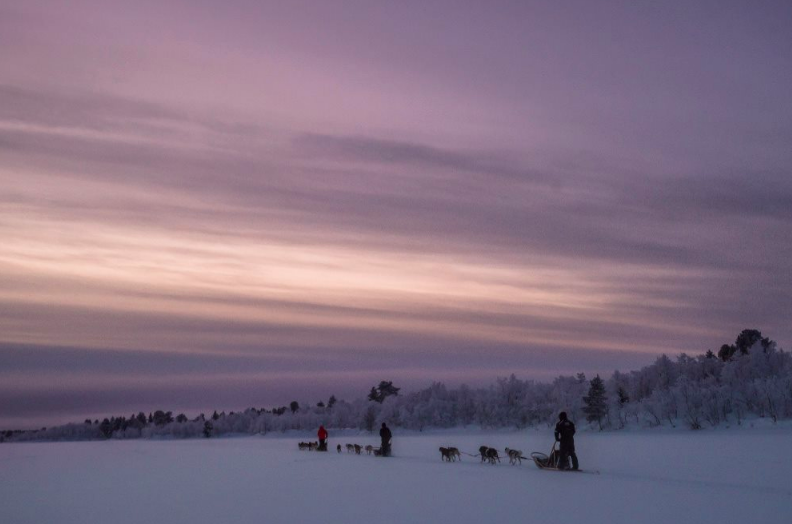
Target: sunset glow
221,205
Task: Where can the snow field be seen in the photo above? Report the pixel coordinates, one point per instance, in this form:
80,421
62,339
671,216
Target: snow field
734,476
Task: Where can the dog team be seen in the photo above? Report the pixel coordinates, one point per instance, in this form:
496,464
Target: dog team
564,434
487,454
351,448
321,444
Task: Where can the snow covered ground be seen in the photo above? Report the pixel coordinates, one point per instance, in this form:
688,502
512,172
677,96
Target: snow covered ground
726,476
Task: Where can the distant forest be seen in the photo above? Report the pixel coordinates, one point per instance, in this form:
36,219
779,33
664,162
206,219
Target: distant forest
750,378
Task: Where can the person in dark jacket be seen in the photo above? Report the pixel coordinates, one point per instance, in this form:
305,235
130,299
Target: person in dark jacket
385,436
322,435
565,436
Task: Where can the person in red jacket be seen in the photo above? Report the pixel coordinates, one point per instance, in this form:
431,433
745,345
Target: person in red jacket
322,434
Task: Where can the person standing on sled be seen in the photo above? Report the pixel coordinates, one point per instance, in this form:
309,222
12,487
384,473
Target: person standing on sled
322,434
565,436
385,436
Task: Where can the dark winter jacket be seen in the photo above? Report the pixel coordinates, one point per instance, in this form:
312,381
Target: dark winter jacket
385,435
565,434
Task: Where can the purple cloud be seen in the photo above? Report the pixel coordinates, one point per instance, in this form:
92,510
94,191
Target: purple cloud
194,192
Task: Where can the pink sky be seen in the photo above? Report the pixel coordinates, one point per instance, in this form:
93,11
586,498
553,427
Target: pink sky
221,205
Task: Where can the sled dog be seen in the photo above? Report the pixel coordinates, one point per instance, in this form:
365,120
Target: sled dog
515,456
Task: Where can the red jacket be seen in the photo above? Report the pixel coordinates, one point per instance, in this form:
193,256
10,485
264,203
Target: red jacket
322,433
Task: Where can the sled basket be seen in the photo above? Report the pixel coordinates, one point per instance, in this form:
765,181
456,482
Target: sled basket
541,460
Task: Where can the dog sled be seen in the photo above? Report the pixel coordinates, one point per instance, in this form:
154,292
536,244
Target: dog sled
551,462
382,451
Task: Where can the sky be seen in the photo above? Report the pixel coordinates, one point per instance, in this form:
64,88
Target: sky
217,205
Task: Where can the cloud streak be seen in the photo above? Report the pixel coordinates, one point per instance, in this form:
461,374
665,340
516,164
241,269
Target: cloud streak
317,202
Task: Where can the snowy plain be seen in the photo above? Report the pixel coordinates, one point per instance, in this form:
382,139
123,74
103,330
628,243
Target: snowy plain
652,476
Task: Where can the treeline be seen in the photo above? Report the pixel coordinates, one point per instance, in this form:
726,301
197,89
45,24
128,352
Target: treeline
750,378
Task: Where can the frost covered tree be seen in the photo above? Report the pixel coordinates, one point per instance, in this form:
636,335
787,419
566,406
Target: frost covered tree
692,402
755,381
566,394
369,418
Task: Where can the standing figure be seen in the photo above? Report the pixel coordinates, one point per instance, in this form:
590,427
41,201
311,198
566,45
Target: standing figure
322,434
385,436
565,436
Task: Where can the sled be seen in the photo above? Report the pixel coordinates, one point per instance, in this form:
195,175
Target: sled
549,463
380,452
543,461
